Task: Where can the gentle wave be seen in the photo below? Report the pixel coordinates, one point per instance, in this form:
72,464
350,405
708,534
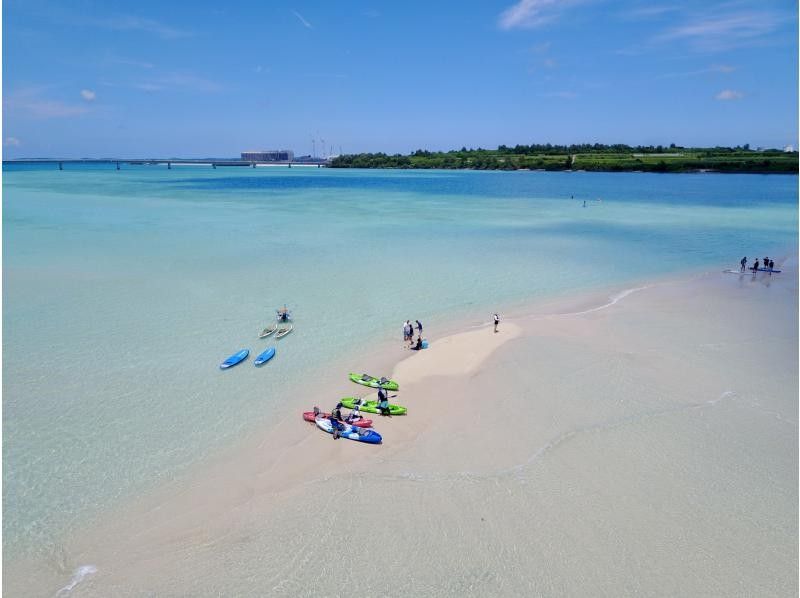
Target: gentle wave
77,577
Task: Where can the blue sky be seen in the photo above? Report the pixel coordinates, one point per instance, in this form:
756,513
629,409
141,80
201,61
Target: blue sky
140,79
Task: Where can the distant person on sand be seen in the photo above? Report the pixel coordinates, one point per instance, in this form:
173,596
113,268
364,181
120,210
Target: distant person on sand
419,327
496,321
755,267
406,332
418,346
743,263
766,262
771,266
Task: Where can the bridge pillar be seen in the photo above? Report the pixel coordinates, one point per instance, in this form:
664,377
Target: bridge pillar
214,166
60,166
290,164
254,164
117,165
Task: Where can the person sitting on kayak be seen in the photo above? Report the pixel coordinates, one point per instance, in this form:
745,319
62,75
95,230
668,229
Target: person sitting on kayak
337,412
355,414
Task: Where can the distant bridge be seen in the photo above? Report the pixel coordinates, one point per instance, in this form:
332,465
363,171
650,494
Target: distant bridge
214,163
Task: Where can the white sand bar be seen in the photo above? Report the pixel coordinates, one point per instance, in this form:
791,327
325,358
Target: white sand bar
648,448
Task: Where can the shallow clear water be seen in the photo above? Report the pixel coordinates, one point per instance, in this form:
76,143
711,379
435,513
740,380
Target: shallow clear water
124,290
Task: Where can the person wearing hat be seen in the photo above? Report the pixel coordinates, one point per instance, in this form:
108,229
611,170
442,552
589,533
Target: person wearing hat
337,412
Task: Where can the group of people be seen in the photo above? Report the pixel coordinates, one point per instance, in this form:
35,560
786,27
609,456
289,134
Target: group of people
408,335
768,265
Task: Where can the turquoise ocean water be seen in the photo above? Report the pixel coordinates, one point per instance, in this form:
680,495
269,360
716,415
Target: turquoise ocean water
124,290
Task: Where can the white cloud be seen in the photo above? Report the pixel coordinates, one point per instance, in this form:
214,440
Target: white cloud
30,101
11,142
725,31
729,94
302,19
529,14
88,95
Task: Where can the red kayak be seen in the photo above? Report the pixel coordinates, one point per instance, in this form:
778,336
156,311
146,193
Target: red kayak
359,421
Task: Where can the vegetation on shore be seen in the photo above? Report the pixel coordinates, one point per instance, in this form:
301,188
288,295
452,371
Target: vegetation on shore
596,157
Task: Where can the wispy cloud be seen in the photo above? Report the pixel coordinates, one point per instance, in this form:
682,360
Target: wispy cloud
302,19
88,95
180,81
729,94
134,23
714,68
564,95
11,142
31,102
529,14
651,11
715,32
128,62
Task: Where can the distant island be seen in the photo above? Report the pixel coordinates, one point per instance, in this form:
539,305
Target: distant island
594,157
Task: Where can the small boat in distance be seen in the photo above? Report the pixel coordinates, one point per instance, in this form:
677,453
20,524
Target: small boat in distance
268,330
234,359
283,314
284,330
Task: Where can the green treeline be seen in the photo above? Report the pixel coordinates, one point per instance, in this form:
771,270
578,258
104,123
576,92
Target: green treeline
596,157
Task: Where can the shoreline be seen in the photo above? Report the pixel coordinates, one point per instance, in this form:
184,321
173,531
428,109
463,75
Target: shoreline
240,481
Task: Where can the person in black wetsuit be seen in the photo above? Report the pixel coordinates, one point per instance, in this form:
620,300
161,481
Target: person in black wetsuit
383,402
417,346
771,266
743,263
755,267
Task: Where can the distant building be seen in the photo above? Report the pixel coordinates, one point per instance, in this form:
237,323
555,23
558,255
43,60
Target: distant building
789,148
269,156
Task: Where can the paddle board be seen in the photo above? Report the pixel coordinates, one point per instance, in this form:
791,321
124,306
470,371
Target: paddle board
234,359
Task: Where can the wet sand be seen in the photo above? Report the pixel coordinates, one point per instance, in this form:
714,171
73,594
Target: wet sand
642,444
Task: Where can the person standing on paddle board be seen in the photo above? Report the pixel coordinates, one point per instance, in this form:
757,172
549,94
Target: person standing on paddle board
496,321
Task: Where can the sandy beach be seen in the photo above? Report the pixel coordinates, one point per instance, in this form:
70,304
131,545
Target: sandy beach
637,443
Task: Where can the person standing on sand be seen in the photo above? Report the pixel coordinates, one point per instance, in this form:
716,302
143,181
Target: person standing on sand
405,332
419,327
496,321
743,263
755,268
771,266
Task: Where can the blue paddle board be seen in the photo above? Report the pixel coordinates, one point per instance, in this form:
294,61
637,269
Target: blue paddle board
234,359
265,356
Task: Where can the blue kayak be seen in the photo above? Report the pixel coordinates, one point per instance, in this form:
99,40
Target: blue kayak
351,432
265,356
234,359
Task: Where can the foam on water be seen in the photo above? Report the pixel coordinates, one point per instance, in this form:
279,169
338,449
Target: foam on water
78,576
124,290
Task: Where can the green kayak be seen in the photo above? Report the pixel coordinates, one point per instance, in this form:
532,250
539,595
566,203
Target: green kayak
374,382
372,406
